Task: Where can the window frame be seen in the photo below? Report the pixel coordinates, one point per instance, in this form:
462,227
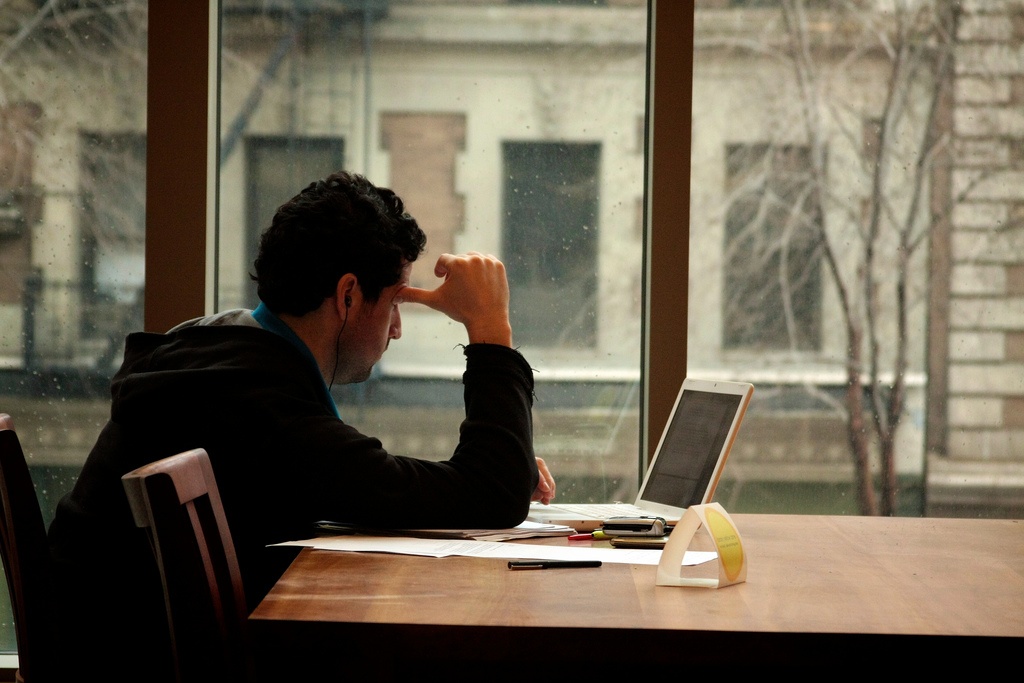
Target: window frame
181,189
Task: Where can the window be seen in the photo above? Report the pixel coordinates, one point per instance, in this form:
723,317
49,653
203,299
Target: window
507,128
772,287
550,241
72,230
277,168
847,223
113,241
20,210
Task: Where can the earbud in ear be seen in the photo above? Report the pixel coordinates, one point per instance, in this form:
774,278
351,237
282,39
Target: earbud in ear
348,301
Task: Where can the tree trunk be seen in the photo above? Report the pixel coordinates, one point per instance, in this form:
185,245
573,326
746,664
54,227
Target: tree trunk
857,430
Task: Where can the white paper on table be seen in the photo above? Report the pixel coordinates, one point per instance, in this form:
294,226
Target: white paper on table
430,547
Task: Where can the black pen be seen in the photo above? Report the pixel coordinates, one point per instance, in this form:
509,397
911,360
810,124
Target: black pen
553,564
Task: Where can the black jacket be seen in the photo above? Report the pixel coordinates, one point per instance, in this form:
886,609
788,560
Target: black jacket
282,460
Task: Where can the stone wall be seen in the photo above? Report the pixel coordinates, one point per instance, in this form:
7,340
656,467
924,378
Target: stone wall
980,455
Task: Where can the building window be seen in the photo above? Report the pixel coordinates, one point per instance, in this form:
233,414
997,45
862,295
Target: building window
550,232
277,168
772,279
113,237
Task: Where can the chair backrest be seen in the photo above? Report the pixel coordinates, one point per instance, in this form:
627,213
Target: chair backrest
176,500
26,559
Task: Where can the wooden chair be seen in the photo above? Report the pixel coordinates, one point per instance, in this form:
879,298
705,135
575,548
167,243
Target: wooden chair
176,500
26,559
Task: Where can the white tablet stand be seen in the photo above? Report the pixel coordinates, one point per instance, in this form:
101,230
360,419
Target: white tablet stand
731,561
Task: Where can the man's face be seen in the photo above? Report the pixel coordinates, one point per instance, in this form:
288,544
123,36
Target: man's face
370,328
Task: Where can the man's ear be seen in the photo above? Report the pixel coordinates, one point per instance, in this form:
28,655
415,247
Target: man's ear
347,292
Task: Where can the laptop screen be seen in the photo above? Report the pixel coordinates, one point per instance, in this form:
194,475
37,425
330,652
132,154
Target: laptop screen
689,451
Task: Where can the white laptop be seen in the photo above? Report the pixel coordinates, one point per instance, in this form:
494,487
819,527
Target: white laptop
686,465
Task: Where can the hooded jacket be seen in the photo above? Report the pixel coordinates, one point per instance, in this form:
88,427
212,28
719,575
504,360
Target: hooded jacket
283,460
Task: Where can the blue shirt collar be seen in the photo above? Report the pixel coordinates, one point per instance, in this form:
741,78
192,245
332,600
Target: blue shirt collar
270,322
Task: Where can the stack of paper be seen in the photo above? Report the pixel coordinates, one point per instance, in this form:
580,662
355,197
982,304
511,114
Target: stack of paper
472,548
524,530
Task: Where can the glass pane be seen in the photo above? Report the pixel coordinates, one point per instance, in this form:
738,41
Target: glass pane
550,241
72,226
856,252
511,128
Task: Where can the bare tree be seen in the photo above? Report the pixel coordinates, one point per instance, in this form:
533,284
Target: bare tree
789,219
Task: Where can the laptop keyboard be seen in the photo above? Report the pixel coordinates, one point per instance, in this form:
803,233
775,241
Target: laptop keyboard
603,510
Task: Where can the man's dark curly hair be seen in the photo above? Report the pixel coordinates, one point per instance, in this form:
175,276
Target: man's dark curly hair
341,224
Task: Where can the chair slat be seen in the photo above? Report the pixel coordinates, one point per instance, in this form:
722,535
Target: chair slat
177,501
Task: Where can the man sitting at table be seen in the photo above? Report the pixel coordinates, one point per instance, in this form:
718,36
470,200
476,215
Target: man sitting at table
253,388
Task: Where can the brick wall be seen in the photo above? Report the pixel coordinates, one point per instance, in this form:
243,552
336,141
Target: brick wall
984,411
424,149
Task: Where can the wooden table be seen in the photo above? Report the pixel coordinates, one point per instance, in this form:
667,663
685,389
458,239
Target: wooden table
845,592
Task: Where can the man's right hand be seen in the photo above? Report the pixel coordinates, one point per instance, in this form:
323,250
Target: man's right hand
545,490
474,293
